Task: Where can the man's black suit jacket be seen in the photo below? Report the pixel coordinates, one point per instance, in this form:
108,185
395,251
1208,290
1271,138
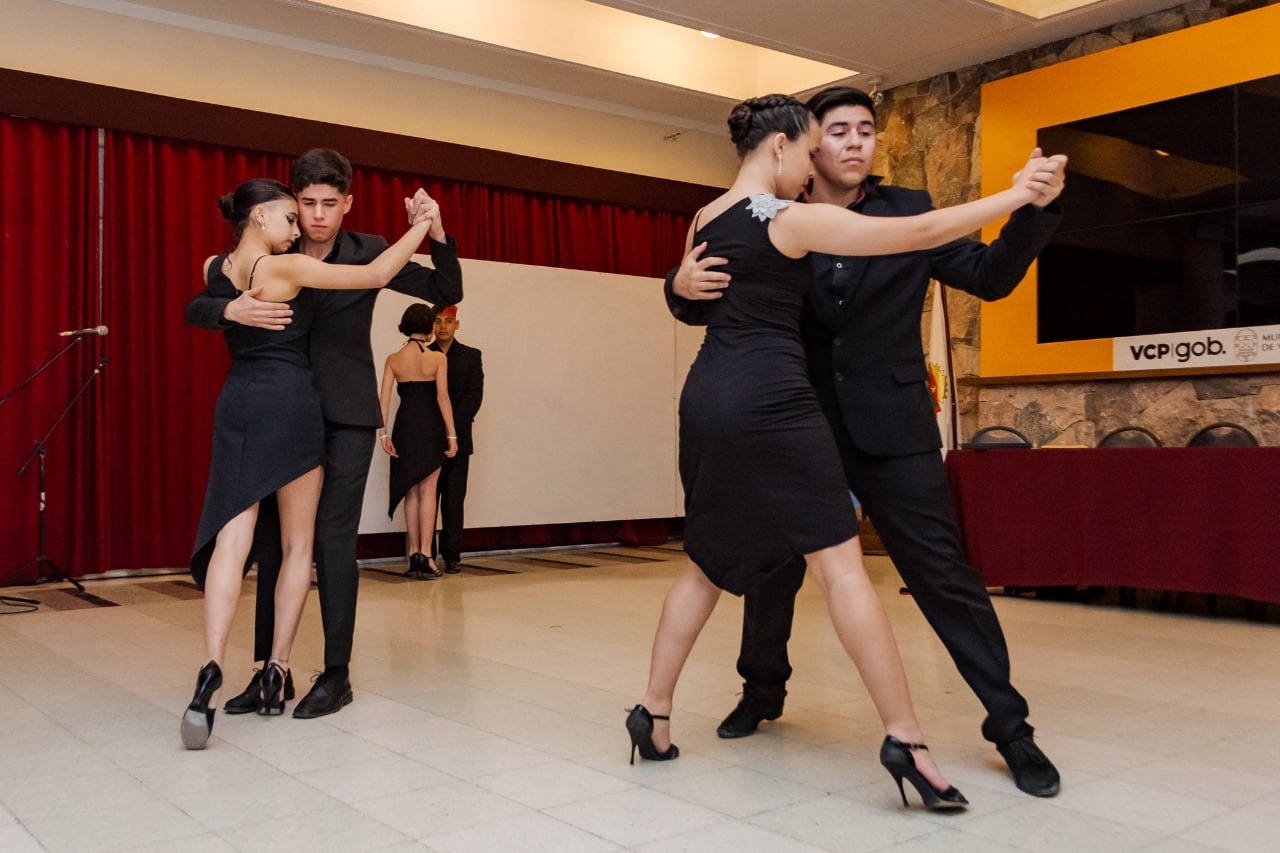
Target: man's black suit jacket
466,390
866,357
341,355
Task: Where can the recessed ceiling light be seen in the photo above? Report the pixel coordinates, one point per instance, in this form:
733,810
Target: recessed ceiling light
598,36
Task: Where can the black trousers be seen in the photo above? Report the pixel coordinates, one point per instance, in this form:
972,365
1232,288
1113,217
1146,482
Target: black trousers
909,501
451,493
349,451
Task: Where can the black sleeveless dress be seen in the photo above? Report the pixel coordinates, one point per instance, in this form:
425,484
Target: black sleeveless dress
267,427
419,436
762,477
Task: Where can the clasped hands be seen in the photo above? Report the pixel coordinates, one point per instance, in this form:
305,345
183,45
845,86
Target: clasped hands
423,208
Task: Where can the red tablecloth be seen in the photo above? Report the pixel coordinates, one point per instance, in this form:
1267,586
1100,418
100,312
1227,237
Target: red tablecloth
1186,518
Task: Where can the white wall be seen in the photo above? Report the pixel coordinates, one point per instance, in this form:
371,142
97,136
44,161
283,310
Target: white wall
582,376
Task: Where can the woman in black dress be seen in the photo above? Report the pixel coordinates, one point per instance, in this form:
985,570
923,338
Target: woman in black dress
423,436
762,477
268,432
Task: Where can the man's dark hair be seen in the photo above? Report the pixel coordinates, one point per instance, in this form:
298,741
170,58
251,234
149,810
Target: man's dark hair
838,96
322,166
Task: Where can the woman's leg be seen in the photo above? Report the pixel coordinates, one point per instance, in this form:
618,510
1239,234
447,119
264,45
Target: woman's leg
411,512
867,637
297,502
222,582
685,610
424,516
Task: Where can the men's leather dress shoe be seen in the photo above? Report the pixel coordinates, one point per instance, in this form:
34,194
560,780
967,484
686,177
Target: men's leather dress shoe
248,701
327,696
451,568
745,719
1033,772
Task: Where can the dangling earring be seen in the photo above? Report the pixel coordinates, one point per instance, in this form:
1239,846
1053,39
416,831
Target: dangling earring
779,164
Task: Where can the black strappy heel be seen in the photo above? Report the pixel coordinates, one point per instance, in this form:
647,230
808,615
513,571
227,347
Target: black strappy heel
896,757
640,727
273,679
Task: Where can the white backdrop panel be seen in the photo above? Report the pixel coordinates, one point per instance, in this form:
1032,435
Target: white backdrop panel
582,374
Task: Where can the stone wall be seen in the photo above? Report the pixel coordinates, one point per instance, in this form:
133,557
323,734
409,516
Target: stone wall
931,138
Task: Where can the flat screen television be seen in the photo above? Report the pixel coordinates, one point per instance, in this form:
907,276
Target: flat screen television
1172,218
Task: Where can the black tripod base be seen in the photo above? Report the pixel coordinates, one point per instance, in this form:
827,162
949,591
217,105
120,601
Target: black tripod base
50,573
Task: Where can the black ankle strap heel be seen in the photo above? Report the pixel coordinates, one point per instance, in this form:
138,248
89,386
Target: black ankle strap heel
640,727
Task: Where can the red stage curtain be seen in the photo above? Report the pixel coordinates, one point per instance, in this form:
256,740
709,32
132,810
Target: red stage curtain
161,222
512,226
48,269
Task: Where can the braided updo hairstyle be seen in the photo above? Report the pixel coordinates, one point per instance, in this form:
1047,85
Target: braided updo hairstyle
237,204
755,118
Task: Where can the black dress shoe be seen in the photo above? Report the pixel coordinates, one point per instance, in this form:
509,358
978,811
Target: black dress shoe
745,719
250,700
1033,772
327,696
451,568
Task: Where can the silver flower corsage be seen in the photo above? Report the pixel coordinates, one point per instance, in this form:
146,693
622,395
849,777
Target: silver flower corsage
765,206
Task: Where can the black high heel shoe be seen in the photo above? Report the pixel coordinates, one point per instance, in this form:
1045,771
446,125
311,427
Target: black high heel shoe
197,722
273,678
897,759
640,727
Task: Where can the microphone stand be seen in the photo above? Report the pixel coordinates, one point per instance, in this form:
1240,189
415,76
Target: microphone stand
41,369
43,561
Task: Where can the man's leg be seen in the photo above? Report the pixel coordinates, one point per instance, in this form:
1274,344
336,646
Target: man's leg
767,614
909,502
349,452
453,493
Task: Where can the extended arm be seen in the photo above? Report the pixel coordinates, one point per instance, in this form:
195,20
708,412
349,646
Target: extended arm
836,231
993,271
284,274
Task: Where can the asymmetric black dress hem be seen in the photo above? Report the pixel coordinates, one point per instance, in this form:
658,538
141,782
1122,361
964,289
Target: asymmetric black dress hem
267,427
419,437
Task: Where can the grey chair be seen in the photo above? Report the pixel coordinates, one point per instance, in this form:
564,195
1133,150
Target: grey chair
1130,436
998,438
1223,435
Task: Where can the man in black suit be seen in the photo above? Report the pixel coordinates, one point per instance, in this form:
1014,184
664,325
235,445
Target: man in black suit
342,366
466,391
861,331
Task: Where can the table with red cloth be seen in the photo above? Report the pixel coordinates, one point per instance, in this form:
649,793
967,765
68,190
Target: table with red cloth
1187,519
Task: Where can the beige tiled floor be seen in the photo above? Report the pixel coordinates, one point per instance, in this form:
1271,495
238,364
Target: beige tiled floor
489,709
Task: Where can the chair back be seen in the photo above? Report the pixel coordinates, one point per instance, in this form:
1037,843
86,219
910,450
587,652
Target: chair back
998,438
1130,436
1223,435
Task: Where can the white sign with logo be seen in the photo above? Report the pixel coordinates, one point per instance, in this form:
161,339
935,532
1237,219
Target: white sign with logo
1205,348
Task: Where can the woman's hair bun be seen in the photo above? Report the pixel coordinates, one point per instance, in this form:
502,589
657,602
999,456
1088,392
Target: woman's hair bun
755,118
227,204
